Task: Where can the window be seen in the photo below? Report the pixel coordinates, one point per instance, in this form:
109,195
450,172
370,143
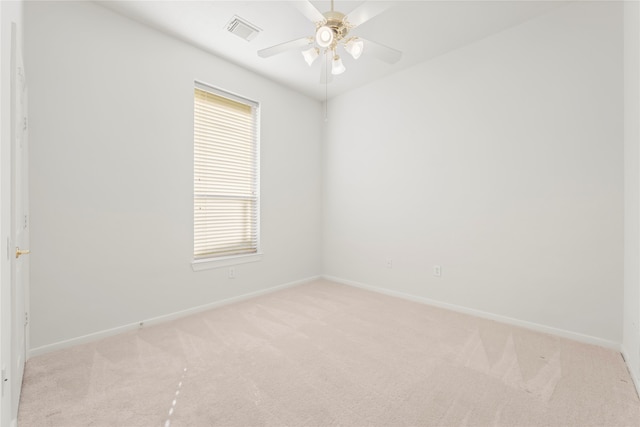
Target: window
226,175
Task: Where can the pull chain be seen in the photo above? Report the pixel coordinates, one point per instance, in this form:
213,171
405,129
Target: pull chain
326,85
326,81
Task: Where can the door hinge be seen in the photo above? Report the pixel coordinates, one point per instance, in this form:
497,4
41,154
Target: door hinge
4,379
26,318
25,124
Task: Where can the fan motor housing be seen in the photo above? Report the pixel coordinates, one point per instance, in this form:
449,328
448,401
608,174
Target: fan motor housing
336,21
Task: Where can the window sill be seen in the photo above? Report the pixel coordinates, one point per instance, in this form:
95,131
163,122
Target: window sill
208,264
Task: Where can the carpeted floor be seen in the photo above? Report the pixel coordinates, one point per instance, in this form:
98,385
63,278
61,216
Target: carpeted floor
325,354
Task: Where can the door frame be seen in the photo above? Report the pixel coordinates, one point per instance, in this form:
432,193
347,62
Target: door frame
19,222
10,13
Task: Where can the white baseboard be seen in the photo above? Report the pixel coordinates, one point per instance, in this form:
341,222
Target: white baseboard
161,319
176,315
576,336
633,372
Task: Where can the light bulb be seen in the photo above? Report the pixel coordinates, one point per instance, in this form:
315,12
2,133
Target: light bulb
337,67
324,36
355,47
310,55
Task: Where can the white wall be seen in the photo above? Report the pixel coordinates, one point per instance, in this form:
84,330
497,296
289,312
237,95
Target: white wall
111,105
503,163
631,325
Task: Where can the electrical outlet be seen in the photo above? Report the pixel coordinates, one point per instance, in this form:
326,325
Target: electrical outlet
437,271
231,273
389,263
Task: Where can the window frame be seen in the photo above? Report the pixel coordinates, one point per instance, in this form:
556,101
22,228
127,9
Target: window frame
211,262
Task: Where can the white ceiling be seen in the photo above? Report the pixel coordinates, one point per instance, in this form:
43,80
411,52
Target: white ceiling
421,29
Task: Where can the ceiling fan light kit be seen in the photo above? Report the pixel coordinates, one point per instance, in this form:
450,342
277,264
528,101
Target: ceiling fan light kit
331,31
310,55
355,47
337,67
324,36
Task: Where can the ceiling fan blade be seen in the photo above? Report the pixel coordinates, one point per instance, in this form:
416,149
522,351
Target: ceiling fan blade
382,52
307,9
283,47
366,11
325,69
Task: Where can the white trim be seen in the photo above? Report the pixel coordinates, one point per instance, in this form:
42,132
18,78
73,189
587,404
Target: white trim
226,94
576,336
211,263
460,309
162,319
635,375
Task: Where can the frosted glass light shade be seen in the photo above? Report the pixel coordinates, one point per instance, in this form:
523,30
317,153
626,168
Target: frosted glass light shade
310,55
355,47
324,36
337,67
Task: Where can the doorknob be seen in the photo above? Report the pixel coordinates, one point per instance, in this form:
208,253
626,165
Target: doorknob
22,252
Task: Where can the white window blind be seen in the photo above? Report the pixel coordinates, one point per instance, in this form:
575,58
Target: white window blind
226,193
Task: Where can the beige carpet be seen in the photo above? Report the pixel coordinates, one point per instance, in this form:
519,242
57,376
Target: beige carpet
325,354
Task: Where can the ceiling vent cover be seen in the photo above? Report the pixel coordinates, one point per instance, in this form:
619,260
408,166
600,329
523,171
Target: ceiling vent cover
242,28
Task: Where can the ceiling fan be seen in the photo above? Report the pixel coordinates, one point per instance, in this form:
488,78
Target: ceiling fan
332,31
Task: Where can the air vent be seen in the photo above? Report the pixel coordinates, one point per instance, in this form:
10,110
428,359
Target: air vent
242,28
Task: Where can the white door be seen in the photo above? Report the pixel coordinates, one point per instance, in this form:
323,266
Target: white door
5,346
19,223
